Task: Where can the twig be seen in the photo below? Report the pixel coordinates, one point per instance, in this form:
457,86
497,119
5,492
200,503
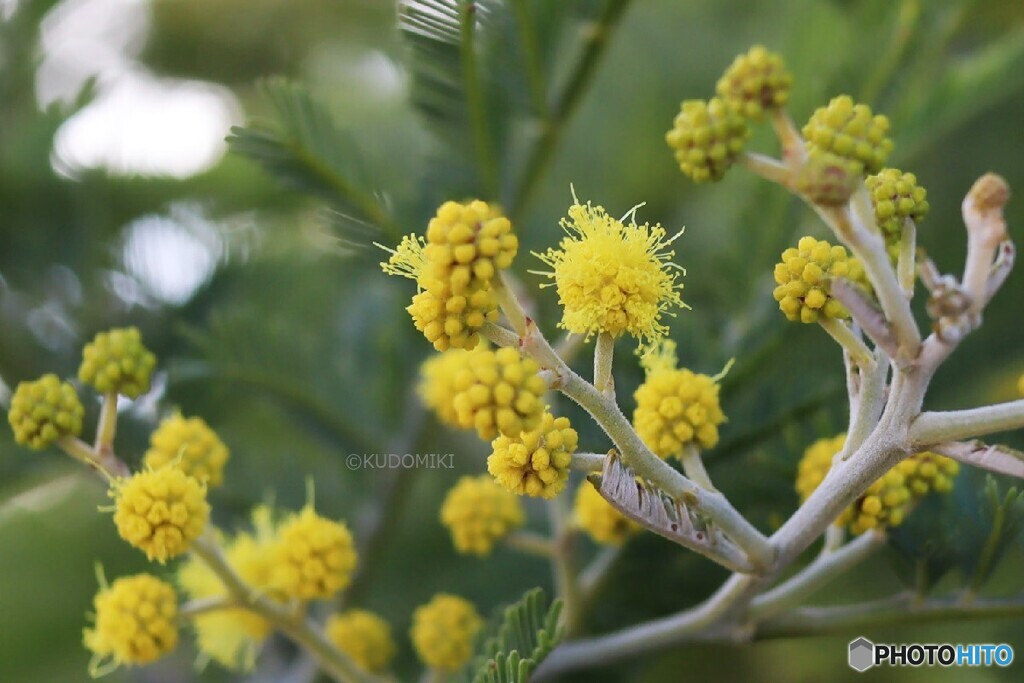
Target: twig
954,425
531,544
903,608
604,352
850,342
588,462
816,575
303,632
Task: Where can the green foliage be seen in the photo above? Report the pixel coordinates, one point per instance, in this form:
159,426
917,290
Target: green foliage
304,149
971,531
519,640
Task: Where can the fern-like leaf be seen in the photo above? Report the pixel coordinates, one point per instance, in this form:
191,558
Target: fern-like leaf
666,516
305,149
520,640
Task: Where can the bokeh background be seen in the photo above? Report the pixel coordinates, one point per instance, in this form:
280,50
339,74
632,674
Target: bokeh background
121,204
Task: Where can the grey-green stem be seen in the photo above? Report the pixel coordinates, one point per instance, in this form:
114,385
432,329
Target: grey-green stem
303,632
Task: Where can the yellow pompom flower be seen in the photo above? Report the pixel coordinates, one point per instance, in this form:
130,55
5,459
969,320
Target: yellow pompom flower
443,631
44,410
755,82
453,321
232,637
136,622
117,362
804,280
926,472
190,445
313,557
707,137
467,243
437,382
896,196
851,131
599,519
675,407
363,636
535,463
1020,385
160,512
613,277
886,503
447,319
499,392
479,513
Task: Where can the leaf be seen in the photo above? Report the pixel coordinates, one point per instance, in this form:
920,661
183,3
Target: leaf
996,458
927,546
971,85
304,149
518,642
666,516
1002,518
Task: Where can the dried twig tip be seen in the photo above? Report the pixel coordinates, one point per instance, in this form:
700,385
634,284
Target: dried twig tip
989,192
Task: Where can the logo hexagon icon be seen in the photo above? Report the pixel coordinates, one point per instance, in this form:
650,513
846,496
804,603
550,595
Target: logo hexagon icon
862,654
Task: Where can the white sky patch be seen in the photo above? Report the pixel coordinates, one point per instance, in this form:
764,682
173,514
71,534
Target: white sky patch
172,256
148,126
138,123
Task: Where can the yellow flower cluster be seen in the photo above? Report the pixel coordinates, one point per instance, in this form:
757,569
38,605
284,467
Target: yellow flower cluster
443,631
675,408
599,519
160,512
468,244
437,381
454,267
896,196
136,621
499,392
851,131
707,137
117,362
755,82
44,410
536,462
313,557
927,472
363,636
613,277
803,278
232,636
190,445
888,500
479,513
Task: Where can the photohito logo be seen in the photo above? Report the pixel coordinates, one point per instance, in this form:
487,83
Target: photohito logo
863,654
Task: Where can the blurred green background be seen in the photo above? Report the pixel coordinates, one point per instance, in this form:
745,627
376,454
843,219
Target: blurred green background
119,204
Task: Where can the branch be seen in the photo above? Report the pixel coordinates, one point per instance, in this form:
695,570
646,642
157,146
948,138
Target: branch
604,352
866,315
854,228
605,411
934,427
588,462
903,608
828,566
691,625
303,632
850,342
